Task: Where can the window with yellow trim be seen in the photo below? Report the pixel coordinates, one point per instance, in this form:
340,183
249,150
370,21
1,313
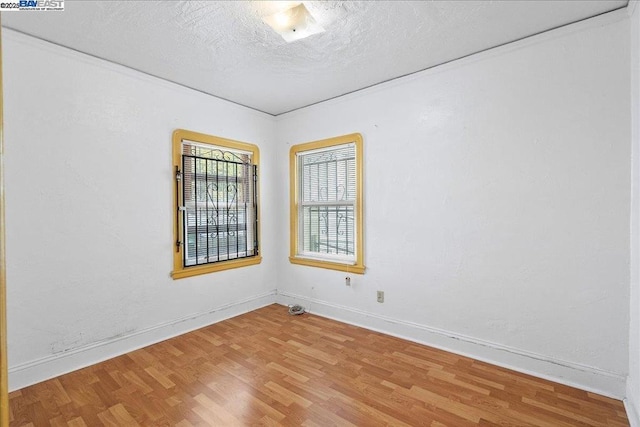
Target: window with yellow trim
326,204
216,204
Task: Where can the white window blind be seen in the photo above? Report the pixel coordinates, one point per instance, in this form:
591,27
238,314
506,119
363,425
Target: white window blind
327,197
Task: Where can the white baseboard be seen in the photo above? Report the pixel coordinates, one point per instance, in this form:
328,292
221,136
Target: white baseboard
572,374
51,366
584,377
630,405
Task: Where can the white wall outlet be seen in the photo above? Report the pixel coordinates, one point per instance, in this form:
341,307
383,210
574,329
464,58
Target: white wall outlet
380,296
347,281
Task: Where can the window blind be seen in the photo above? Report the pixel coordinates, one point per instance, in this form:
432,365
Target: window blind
327,185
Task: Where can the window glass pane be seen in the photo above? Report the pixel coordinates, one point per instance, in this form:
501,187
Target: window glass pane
328,175
328,229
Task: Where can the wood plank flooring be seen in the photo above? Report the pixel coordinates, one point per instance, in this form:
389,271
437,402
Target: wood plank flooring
269,368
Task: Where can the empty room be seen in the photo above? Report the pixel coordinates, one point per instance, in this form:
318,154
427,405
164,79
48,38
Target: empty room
320,213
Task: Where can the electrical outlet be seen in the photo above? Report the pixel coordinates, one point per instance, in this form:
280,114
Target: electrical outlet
347,281
380,296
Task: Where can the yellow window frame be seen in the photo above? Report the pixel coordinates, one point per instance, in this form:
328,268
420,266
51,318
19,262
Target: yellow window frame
295,257
179,270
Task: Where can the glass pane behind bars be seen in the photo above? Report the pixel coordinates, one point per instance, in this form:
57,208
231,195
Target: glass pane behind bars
328,176
220,206
328,229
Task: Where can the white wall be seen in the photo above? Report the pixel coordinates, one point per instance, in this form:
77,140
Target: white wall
89,209
632,400
497,197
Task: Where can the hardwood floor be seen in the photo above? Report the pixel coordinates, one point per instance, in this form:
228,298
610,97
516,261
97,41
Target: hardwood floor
269,368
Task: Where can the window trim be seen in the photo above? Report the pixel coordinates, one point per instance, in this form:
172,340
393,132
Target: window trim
179,270
295,257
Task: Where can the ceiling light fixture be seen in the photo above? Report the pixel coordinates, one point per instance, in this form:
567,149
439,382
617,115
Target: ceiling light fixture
294,23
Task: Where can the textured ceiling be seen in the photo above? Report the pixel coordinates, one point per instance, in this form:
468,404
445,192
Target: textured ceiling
224,49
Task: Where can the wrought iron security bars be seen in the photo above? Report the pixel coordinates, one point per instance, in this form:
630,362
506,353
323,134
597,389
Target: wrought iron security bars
217,213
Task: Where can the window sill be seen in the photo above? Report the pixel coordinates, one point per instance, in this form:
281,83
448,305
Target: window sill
210,268
331,265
